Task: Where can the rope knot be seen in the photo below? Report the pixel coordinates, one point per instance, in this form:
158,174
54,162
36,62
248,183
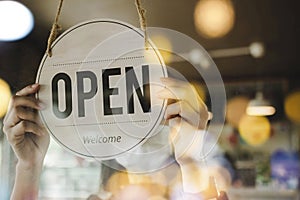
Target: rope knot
53,34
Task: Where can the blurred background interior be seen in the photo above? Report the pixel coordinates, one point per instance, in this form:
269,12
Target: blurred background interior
254,44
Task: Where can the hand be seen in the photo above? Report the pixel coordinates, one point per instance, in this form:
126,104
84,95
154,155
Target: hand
187,114
186,103
24,129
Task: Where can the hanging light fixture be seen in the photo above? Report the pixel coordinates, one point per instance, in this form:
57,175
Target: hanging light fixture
260,106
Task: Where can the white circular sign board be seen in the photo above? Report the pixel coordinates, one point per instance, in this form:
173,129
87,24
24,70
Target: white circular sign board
100,89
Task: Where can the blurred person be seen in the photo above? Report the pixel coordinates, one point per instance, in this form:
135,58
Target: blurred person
187,118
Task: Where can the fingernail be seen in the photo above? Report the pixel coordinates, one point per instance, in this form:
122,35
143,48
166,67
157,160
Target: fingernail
34,85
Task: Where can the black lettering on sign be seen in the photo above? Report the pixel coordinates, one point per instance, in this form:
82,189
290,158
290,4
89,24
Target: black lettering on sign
132,82
132,87
68,95
82,95
108,91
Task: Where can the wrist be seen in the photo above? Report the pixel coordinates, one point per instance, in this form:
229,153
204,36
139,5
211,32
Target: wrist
192,177
27,181
34,168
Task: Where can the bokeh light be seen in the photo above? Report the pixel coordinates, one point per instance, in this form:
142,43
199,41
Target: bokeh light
163,45
5,95
236,108
292,106
255,130
16,21
214,18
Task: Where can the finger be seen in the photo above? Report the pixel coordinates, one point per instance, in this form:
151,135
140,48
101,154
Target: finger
21,108
187,93
180,94
26,114
167,93
177,88
31,89
16,134
185,111
28,127
181,108
171,82
16,115
184,87
26,101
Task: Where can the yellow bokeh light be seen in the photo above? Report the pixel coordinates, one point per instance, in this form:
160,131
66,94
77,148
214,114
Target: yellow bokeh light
292,106
5,95
156,198
255,130
236,108
154,184
164,46
214,18
117,182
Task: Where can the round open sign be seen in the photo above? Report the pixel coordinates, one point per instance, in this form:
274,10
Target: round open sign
100,89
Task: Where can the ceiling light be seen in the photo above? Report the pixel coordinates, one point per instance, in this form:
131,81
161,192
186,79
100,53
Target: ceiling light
257,49
16,21
260,106
214,18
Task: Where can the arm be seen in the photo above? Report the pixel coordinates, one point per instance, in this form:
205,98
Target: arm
29,140
188,117
26,182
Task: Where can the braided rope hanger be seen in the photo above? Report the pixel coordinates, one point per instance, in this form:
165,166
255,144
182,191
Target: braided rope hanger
54,30
56,27
142,18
